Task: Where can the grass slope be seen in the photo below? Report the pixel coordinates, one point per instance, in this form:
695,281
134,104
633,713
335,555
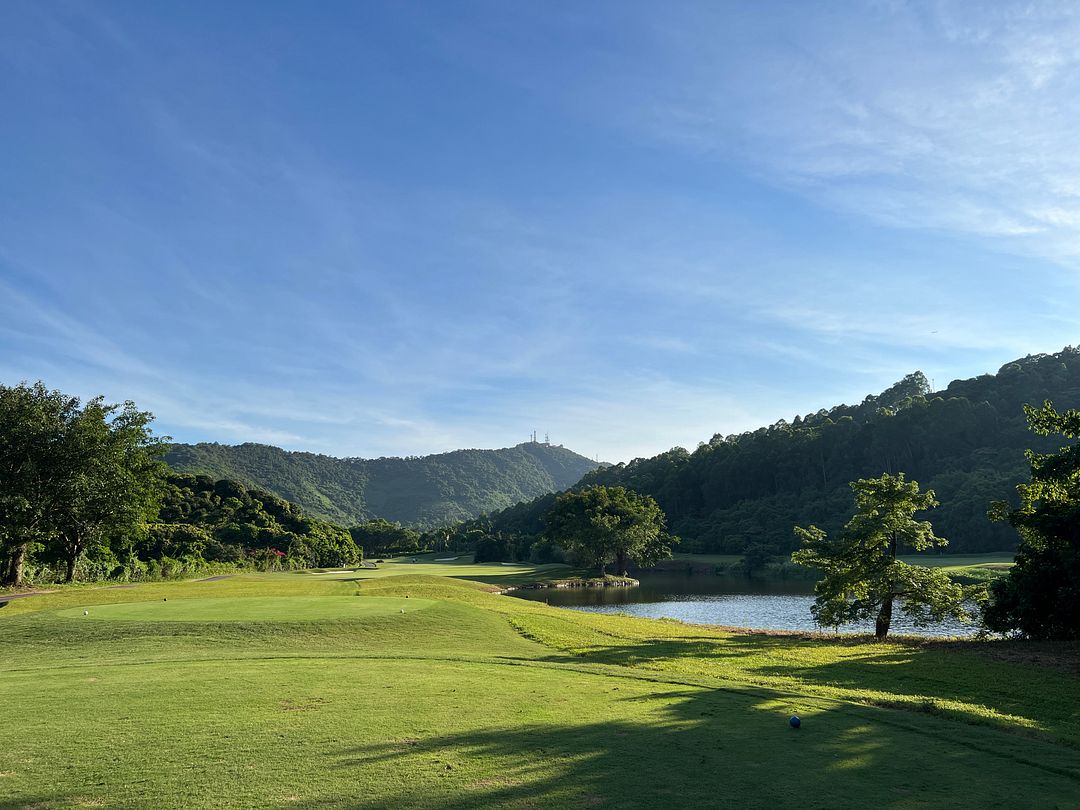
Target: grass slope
252,609
220,697
463,567
982,567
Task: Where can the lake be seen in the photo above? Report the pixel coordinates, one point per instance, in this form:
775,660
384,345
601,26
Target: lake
766,604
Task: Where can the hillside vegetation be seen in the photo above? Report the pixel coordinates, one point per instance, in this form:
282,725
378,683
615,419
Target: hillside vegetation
207,521
422,491
966,443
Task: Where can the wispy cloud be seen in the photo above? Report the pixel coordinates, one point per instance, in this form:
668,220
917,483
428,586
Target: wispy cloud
374,234
952,115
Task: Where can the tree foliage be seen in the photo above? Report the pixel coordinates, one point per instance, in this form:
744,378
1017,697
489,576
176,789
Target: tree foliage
33,470
208,521
382,537
604,525
966,442
72,476
115,482
863,578
82,489
1040,598
420,492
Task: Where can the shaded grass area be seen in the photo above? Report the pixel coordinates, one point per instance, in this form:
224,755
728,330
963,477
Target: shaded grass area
439,735
480,700
707,559
958,680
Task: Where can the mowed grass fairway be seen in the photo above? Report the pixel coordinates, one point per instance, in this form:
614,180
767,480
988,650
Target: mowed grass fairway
460,567
251,609
314,690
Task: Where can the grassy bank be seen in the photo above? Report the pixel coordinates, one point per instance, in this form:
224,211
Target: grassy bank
380,691
963,567
967,567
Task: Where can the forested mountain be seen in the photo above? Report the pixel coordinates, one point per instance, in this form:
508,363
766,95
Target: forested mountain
418,491
966,442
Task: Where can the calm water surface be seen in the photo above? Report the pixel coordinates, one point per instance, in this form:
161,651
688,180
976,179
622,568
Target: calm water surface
729,601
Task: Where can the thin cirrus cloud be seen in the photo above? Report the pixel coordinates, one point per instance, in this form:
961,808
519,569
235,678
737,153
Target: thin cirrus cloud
366,230
953,115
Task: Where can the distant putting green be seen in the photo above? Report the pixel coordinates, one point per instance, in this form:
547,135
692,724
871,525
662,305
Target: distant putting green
457,567
251,609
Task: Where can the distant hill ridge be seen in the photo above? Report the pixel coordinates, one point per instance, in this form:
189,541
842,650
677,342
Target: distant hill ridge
966,442
420,491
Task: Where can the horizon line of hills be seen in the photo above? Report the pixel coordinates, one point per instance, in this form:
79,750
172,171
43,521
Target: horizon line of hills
419,491
966,442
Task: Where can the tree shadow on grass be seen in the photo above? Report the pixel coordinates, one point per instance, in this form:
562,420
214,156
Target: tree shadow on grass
706,748
909,675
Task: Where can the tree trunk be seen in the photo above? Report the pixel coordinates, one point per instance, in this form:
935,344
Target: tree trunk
73,548
603,568
13,577
884,619
620,563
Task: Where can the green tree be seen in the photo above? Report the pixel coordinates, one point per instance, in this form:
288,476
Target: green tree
115,480
70,475
35,471
380,536
604,525
1040,598
863,578
223,521
756,557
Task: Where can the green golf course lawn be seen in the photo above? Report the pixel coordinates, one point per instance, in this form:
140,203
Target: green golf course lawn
308,690
250,609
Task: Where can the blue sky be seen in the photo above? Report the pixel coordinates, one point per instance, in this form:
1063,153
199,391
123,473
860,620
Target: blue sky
401,228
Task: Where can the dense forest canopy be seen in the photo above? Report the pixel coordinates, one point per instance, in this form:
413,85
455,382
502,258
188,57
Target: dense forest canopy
421,492
1040,597
223,521
966,442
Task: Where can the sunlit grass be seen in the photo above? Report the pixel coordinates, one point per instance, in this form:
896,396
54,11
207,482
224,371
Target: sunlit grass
483,700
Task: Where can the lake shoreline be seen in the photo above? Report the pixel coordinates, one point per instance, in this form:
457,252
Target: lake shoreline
575,583
736,604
